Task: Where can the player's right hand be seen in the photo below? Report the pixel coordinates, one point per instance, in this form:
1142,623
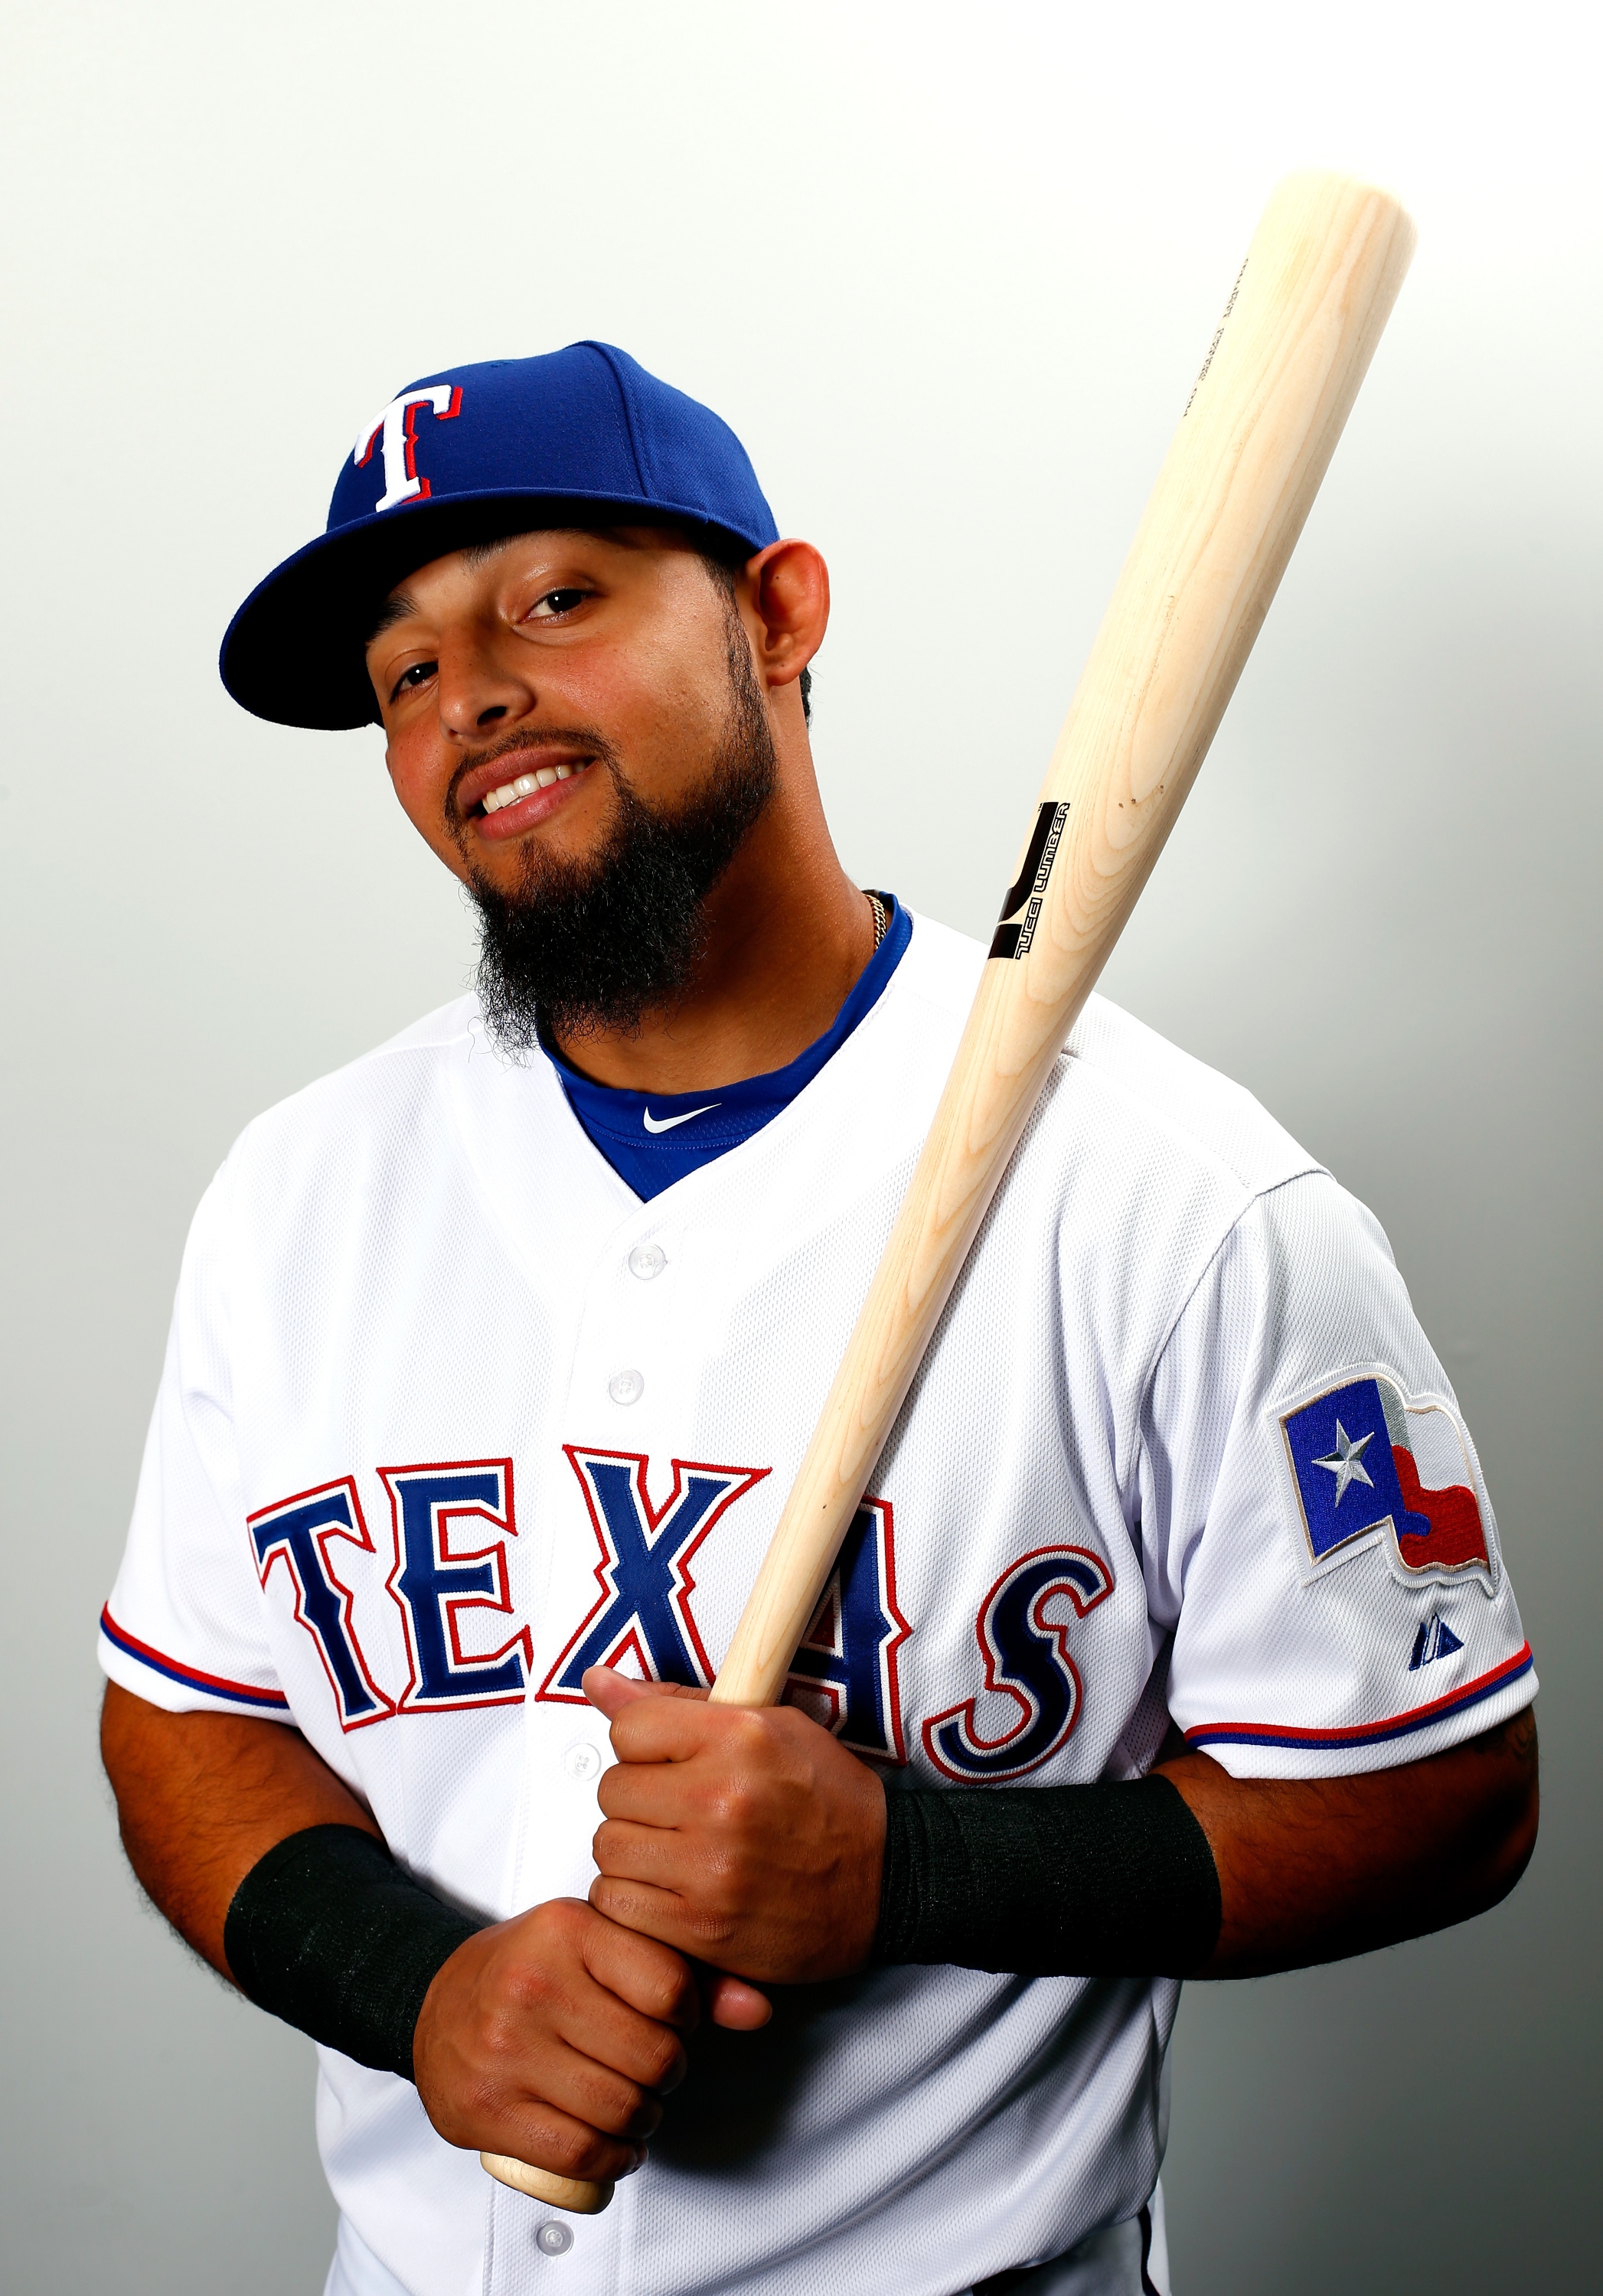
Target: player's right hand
554,2037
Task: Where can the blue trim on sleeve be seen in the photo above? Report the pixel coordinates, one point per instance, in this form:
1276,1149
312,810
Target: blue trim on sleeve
215,1685
1364,1733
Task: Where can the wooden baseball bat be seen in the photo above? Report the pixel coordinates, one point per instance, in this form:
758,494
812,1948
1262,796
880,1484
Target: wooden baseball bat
1260,425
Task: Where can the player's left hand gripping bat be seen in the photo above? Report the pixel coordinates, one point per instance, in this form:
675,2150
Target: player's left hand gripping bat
1280,377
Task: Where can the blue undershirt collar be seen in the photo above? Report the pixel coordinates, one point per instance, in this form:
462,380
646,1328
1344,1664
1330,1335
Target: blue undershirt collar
653,1139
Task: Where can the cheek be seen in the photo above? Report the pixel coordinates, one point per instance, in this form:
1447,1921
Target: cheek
420,780
660,703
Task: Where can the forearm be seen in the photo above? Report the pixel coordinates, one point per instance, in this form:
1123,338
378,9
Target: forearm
1194,1873
547,2036
1317,1869
201,1798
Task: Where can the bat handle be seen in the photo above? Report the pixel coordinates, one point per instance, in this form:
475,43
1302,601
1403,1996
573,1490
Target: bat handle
570,2193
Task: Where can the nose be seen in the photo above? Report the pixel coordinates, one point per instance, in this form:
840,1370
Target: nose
478,692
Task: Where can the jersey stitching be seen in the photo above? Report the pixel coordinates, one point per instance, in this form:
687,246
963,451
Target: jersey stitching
620,387
1315,1171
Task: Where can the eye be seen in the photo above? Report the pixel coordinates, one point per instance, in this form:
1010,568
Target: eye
411,679
555,602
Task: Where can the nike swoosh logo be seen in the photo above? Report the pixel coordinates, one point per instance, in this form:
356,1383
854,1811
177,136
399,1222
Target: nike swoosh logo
667,1123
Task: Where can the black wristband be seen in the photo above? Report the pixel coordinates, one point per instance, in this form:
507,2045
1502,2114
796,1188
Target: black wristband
1104,1880
328,1933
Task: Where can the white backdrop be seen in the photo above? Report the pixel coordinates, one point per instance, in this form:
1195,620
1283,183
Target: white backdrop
949,271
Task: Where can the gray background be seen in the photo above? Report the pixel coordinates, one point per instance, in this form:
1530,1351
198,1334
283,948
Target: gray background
949,272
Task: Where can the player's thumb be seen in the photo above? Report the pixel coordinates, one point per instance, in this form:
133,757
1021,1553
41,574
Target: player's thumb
733,2003
611,1692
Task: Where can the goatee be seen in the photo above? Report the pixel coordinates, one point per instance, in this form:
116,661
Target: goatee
585,947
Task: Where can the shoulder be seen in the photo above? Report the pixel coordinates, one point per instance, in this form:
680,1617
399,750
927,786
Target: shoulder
350,1115
1145,1089
1121,1095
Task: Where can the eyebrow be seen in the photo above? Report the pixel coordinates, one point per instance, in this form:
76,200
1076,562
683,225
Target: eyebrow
400,604
395,609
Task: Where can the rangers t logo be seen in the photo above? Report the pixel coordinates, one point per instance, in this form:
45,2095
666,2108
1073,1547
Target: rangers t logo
1367,1460
396,430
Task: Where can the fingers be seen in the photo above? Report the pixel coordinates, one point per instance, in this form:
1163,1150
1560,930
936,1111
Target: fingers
652,1852
642,1975
610,2011
662,1915
554,2037
546,2137
600,2096
735,2004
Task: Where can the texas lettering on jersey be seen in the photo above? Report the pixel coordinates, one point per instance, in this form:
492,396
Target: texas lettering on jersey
450,1524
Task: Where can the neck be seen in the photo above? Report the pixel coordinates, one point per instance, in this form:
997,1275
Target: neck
787,935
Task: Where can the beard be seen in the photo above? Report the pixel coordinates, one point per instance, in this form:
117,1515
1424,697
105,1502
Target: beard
583,947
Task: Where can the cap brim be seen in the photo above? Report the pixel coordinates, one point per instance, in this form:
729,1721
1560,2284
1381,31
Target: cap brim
295,653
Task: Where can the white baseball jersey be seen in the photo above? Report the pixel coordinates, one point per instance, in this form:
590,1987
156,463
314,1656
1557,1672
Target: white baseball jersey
448,1415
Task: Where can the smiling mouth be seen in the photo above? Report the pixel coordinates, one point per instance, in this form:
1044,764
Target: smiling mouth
525,786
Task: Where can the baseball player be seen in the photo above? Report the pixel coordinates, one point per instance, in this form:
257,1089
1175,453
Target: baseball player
1172,1637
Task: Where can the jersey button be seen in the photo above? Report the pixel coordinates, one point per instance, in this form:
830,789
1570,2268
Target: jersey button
554,2240
581,1763
626,1387
646,1261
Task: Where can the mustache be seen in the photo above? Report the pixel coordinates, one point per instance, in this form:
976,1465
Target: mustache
531,738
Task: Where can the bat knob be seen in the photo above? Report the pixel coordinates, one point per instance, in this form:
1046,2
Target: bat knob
571,2193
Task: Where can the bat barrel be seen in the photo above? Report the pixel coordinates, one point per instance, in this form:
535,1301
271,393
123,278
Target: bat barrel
1253,444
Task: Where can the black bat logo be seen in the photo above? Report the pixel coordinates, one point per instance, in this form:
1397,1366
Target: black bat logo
1012,939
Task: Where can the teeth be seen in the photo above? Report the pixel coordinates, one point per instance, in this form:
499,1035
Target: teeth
526,786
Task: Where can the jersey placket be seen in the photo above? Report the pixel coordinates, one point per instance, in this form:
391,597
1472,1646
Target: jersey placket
625,1394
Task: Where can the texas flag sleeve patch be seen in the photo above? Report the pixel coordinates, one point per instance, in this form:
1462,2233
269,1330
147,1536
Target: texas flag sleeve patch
1367,1460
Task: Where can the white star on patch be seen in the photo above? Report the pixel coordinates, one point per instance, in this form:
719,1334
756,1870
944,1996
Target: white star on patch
1345,1463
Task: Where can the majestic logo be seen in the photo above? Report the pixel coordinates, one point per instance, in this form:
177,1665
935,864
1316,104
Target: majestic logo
1027,892
666,1123
1023,1634
445,1584
1436,1639
295,1535
643,1612
1366,1460
395,431
845,1674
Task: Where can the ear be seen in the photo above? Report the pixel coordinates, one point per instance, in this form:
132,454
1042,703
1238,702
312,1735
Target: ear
785,590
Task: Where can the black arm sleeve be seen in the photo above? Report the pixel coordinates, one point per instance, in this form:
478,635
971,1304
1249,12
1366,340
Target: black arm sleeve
328,1933
1103,1881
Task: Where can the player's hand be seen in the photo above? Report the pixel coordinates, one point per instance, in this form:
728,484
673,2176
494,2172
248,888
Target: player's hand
554,2036
754,1841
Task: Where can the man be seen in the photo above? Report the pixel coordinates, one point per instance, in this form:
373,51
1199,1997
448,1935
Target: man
1172,1638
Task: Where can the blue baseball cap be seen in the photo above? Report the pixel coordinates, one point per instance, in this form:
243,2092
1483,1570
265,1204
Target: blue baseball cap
464,456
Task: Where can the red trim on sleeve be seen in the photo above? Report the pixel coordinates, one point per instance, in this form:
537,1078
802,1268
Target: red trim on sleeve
218,1686
1360,1734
